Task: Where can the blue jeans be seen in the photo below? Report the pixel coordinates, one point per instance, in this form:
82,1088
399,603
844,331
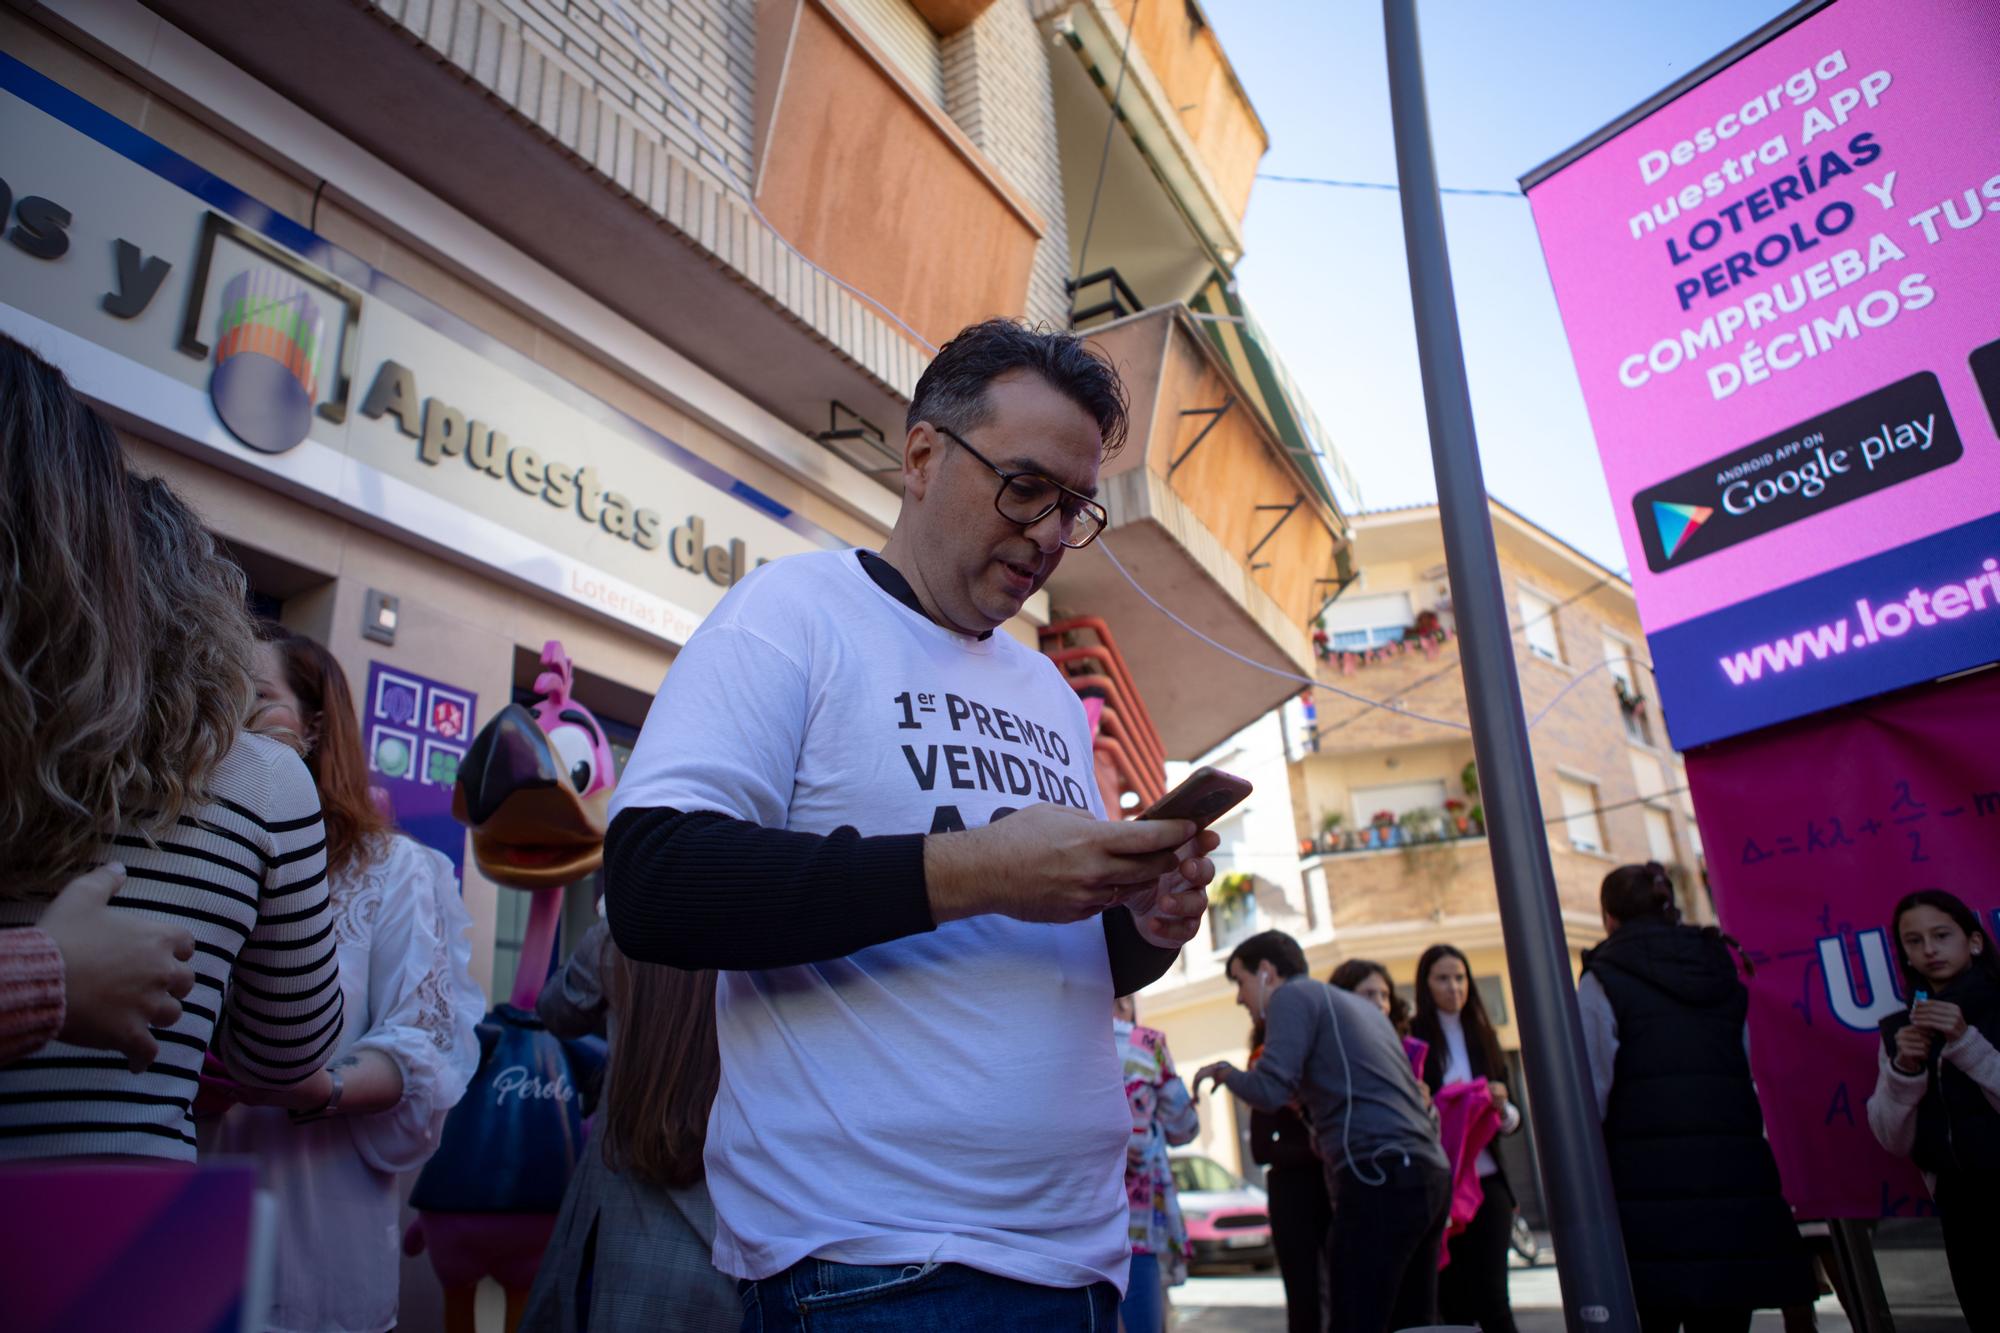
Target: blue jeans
1144,1310
825,1297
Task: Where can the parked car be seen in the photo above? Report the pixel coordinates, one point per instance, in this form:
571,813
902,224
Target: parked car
1228,1219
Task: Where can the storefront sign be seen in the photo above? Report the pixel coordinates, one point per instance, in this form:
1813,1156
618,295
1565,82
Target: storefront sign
234,332
1782,294
1805,876
417,731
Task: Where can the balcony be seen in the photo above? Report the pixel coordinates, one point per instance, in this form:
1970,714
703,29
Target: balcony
1219,521
1186,121
1380,889
1420,673
1388,838
846,145
1183,53
651,228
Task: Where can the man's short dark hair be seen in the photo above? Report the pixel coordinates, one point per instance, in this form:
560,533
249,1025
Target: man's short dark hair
1275,947
952,392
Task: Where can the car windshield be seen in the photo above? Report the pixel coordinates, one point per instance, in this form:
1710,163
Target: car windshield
1203,1175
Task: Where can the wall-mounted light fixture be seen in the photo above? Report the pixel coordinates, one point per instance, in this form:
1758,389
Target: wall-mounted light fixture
378,617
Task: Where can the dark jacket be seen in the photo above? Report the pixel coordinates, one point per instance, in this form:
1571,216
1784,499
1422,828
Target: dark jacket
1957,1128
1280,1141
1706,1224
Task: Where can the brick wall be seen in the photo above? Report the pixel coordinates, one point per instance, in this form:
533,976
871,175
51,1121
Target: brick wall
629,51
1583,736
996,86
903,34
593,86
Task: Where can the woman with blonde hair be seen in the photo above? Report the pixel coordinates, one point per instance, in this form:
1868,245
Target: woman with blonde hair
124,676
407,1050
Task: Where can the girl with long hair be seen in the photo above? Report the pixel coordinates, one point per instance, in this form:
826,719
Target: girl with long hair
1937,1085
1451,1019
1371,981
124,674
407,1049
630,1250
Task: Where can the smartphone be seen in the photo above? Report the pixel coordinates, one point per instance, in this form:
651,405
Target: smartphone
1203,797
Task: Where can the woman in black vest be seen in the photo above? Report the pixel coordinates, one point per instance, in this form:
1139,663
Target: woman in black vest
1708,1233
1938,1084
1451,1017
1300,1209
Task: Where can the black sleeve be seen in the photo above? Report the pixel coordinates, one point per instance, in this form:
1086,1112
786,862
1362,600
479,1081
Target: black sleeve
1135,963
700,889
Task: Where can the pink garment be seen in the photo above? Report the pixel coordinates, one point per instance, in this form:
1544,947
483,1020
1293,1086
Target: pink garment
31,992
1467,1121
1418,1050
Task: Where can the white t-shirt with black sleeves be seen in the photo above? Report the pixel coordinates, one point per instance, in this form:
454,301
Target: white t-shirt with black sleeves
951,1095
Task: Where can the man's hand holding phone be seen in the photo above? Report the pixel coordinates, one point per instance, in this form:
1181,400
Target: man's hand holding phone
1058,864
1168,911
1053,863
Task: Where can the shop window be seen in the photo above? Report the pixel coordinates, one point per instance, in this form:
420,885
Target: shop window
1538,625
1580,817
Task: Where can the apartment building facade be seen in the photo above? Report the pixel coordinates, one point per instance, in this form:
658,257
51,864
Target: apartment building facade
1366,838
585,307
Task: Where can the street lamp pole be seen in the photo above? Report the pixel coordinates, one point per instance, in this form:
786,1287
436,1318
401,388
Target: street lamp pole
1576,1176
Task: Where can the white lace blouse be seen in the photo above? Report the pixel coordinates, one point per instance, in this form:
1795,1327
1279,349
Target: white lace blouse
404,940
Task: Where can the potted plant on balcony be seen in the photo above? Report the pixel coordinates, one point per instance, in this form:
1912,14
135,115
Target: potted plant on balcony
1420,825
1382,829
1331,839
1454,810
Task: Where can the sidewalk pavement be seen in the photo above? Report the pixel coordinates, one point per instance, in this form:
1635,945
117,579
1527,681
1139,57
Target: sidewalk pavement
1919,1291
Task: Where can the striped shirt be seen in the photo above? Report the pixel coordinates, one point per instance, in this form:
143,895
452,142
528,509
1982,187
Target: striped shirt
245,873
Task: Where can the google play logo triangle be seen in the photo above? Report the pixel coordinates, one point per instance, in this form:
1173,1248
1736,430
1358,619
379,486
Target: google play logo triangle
1677,523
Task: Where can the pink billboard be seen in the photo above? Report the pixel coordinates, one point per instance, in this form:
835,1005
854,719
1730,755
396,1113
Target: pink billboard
1781,289
1805,873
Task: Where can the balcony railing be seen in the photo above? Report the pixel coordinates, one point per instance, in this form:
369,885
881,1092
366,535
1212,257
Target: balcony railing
1117,301
1377,838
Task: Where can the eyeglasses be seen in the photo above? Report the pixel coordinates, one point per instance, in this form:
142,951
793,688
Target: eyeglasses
1026,498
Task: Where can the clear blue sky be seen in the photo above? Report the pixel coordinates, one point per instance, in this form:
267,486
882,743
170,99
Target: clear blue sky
1511,85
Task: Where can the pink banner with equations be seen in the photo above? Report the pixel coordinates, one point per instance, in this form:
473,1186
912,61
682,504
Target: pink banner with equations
1813,832
1781,290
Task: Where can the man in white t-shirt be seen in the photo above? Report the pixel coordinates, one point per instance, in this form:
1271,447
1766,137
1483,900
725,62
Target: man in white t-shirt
879,818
